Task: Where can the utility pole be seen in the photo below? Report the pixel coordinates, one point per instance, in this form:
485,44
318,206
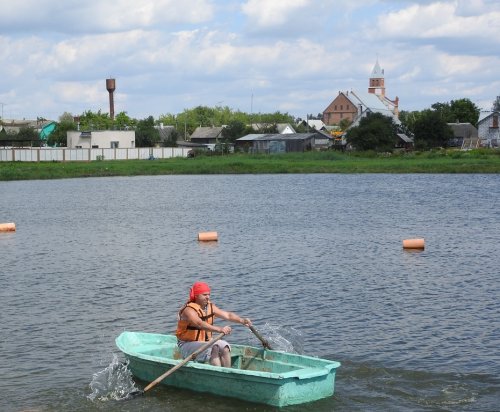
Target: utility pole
3,104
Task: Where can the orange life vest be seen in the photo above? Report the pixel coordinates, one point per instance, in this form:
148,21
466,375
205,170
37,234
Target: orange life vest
186,331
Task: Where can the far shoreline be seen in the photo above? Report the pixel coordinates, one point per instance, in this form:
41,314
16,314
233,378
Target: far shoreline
476,161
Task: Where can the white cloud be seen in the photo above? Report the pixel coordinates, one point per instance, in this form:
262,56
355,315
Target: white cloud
102,15
290,55
438,20
265,13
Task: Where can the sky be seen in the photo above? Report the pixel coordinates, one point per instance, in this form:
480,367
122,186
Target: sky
256,56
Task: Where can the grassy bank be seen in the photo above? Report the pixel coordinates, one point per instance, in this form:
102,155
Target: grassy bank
474,161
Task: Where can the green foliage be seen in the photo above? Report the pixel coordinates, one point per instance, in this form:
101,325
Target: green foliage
496,104
431,130
145,134
234,130
344,124
95,121
123,121
375,132
461,111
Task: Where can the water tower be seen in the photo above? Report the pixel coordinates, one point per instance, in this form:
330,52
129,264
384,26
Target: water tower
110,86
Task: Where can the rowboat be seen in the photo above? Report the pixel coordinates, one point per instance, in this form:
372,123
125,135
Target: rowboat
256,375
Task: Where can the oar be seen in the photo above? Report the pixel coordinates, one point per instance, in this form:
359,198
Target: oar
265,343
179,365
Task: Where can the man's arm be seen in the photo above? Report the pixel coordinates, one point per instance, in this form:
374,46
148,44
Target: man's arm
231,316
195,320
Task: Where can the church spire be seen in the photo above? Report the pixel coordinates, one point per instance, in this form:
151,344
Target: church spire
377,83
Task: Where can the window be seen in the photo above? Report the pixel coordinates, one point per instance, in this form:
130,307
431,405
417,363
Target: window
495,121
114,145
341,107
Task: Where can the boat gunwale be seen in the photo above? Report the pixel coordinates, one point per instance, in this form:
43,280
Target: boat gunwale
300,373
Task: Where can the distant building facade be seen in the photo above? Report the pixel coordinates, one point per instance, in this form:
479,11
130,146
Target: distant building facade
354,105
488,129
103,139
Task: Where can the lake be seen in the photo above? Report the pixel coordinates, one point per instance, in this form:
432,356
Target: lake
316,261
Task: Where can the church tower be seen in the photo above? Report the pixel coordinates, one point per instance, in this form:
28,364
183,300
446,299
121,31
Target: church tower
377,84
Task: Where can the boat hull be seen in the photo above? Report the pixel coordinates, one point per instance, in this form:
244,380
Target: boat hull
258,375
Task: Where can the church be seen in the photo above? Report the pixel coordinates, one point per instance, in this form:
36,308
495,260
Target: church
354,105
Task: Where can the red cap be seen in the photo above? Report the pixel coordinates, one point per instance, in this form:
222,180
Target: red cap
197,289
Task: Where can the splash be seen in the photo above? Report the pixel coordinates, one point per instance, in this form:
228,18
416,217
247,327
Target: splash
286,339
112,383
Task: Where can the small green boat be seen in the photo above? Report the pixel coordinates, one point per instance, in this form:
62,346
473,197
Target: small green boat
257,375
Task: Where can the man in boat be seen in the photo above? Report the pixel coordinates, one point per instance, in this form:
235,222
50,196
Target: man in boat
196,324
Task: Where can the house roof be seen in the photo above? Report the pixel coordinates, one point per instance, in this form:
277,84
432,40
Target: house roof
463,130
405,138
373,103
315,123
485,115
206,132
290,136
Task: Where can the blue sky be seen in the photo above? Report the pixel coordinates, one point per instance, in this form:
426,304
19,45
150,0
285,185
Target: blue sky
256,55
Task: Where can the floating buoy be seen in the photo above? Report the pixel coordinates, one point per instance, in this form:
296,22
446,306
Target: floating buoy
207,236
7,227
413,244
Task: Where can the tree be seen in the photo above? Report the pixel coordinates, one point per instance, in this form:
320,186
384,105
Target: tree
95,121
29,134
234,130
431,130
375,132
461,110
464,111
496,105
344,124
123,121
145,134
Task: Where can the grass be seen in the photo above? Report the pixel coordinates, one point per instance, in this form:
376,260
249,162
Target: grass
440,161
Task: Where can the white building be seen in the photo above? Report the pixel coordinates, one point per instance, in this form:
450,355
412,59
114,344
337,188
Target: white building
101,139
488,129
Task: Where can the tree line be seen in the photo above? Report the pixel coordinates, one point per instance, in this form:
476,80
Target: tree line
429,127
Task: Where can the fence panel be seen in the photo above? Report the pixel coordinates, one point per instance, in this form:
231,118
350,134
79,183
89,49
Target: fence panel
62,154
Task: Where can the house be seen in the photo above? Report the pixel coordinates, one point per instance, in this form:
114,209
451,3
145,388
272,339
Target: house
352,106
281,128
464,135
207,135
313,124
166,133
101,139
277,143
488,130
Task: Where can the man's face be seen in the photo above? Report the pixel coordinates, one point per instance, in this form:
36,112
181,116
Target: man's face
203,299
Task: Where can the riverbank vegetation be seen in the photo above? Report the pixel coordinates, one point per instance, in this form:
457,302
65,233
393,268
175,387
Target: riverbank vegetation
437,161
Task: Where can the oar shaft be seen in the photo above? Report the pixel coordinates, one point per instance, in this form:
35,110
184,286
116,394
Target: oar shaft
265,343
184,361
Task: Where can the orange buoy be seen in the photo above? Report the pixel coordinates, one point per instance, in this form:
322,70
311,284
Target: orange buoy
7,227
207,236
413,244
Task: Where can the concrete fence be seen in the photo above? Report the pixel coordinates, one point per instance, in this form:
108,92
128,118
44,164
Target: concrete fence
62,154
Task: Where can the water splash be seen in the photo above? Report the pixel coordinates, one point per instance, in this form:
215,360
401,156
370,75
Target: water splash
286,339
112,383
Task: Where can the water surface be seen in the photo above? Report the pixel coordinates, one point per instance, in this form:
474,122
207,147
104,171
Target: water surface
318,258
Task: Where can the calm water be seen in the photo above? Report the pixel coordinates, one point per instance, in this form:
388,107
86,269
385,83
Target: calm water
314,260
